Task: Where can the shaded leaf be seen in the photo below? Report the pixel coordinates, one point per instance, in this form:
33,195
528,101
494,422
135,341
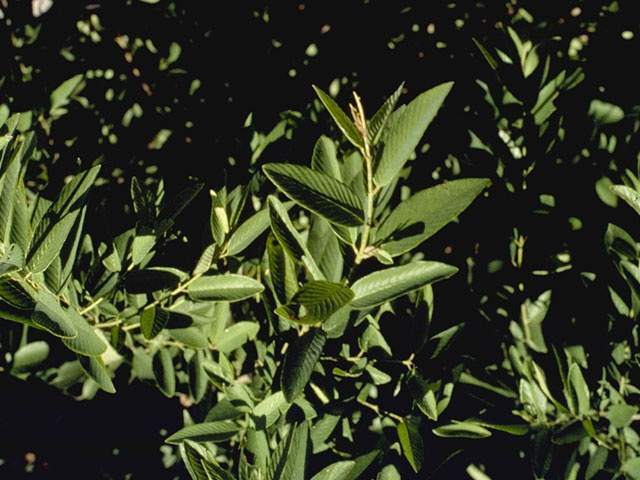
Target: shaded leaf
152,320
317,300
462,430
317,192
384,285
150,280
299,362
191,336
87,342
164,372
376,125
335,471
28,357
324,159
198,380
236,335
45,249
247,232
96,370
49,315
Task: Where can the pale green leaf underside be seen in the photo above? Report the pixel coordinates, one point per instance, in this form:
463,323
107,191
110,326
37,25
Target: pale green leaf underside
425,213
164,372
229,288
49,315
318,192
87,342
403,136
96,370
629,195
381,286
462,430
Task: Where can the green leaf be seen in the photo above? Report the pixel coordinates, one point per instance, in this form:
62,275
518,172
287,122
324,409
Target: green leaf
604,112
96,370
268,410
228,288
362,463
325,249
343,122
11,258
205,432
150,280
206,259
533,314
462,430
632,468
423,395
219,221
192,337
384,285
164,372
48,247
317,300
246,233
324,159
198,380
629,195
60,96
580,388
193,460
424,213
620,242
620,415
403,136
152,320
281,270
177,204
49,315
87,342
412,444
493,63
143,203
13,293
289,238
299,362
631,273
335,471
376,125
317,192
28,357
236,335
141,246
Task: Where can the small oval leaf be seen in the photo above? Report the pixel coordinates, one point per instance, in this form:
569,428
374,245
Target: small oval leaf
228,288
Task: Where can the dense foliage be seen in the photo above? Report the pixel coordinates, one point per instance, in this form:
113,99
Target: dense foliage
283,280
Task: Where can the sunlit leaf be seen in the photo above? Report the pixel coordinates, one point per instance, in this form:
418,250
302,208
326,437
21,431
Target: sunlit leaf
205,432
317,301
229,288
463,430
376,125
343,122
412,444
49,315
96,370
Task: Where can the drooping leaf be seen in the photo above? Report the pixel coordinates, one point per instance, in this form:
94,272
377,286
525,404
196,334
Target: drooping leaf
150,280
463,430
14,293
412,444
49,315
384,285
376,125
289,238
324,159
228,288
317,192
402,138
152,320
580,388
164,372
96,370
247,232
299,361
343,122
87,342
487,56
205,432
317,300
629,195
533,314
29,356
335,471
424,213
198,380
620,242
192,459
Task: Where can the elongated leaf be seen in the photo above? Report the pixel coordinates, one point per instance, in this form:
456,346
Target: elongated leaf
281,270
403,137
14,293
49,315
580,388
384,285
317,300
342,120
533,315
205,432
493,63
424,213
376,125
299,362
412,444
632,468
96,370
152,320
87,342
463,430
11,259
324,159
206,259
198,380
318,192
325,249
236,335
164,372
246,233
632,274
60,96
620,242
289,237
150,280
629,195
177,204
228,288
43,252
192,459
335,471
